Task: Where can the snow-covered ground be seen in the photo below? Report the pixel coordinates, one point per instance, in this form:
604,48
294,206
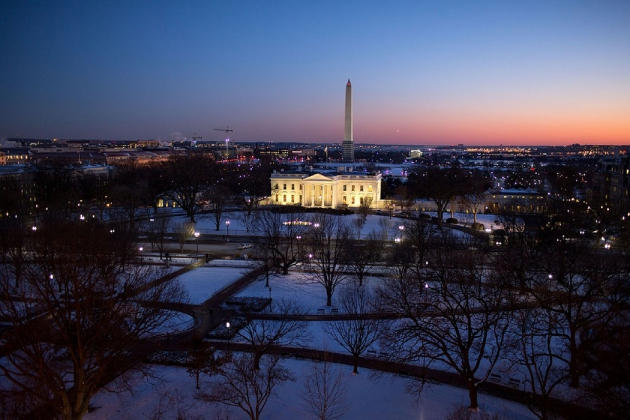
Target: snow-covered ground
368,397
382,397
203,282
374,223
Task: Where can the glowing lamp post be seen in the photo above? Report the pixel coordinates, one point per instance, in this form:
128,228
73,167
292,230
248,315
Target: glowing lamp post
227,228
197,241
141,249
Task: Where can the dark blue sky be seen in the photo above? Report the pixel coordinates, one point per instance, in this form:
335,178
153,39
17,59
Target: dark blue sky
434,72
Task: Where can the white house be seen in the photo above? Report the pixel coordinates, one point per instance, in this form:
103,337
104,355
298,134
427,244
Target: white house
324,189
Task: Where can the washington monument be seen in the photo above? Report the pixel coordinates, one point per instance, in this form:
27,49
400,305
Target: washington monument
348,142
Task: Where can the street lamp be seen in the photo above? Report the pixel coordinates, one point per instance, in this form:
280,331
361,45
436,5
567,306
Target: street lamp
141,249
227,325
310,262
401,228
58,282
227,227
197,241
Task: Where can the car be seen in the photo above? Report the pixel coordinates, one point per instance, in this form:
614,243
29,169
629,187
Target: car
245,246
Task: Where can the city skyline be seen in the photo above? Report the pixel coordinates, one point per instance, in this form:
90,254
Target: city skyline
435,73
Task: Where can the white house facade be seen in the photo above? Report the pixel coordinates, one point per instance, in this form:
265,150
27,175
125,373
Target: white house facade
326,190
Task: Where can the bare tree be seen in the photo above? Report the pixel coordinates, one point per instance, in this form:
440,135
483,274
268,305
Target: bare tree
202,360
419,236
404,196
441,186
190,176
517,261
364,208
358,224
475,196
252,186
218,197
572,281
328,241
363,255
384,225
183,231
449,315
280,237
361,329
325,391
284,330
535,332
608,382
158,228
128,192
247,220
242,386
77,318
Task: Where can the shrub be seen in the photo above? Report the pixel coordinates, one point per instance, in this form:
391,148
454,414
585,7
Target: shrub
477,226
425,216
452,220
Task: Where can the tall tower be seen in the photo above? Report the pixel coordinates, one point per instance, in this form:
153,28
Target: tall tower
348,141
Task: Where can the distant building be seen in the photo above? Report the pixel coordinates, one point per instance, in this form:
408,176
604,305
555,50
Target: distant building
516,201
340,189
611,183
16,155
415,153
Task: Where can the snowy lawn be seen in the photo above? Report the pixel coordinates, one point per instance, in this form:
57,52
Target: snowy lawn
203,282
379,224
368,397
299,286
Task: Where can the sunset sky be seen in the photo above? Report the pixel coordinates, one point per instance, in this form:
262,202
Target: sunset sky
423,72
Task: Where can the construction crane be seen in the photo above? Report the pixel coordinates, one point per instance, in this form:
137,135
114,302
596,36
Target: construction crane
227,139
